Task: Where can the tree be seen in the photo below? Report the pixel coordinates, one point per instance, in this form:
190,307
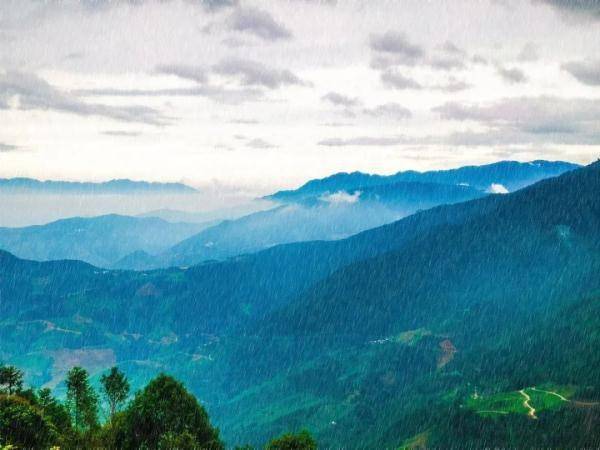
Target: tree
22,425
55,412
11,379
165,413
116,389
82,400
300,441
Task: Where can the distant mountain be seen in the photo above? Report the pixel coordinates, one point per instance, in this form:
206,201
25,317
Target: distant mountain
345,204
101,240
408,340
511,175
124,186
213,216
431,331
316,218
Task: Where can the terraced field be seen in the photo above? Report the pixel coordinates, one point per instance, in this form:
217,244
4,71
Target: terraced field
529,401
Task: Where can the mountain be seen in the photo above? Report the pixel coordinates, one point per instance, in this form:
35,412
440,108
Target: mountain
511,175
319,218
341,205
423,316
431,331
101,240
124,186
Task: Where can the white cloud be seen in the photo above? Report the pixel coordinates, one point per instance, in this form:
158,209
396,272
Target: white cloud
341,197
497,188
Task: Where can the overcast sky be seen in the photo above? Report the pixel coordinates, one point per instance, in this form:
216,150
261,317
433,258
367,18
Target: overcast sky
263,95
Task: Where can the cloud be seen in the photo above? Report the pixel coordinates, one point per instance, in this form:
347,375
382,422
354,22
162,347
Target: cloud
497,188
215,93
529,119
5,148
390,111
397,45
121,133
452,85
259,23
194,73
512,75
586,72
26,91
584,9
340,99
447,63
341,197
252,73
529,53
396,80
452,49
366,141
260,143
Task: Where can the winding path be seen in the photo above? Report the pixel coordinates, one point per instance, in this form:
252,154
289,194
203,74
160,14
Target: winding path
526,404
564,399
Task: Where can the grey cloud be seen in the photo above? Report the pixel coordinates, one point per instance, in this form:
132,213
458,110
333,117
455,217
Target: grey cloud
512,75
121,133
259,143
396,44
194,73
447,63
244,121
545,118
389,110
589,9
452,85
586,72
340,99
27,91
5,148
366,141
478,59
398,81
528,53
259,23
394,49
452,49
252,73
215,93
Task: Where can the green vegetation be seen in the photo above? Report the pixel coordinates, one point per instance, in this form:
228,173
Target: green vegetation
164,415
300,441
367,342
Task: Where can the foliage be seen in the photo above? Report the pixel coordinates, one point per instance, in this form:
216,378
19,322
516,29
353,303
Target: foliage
11,379
116,389
300,441
23,425
82,400
165,412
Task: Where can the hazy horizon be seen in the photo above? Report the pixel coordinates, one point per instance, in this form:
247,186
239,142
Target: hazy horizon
259,96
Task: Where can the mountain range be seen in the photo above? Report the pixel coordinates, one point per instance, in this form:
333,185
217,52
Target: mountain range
101,240
340,206
329,209
122,186
510,175
467,325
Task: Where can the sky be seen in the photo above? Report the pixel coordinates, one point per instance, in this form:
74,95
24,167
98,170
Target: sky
262,95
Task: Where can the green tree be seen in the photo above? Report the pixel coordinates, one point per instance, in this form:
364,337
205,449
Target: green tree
116,389
162,414
82,400
55,412
22,425
11,379
300,441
